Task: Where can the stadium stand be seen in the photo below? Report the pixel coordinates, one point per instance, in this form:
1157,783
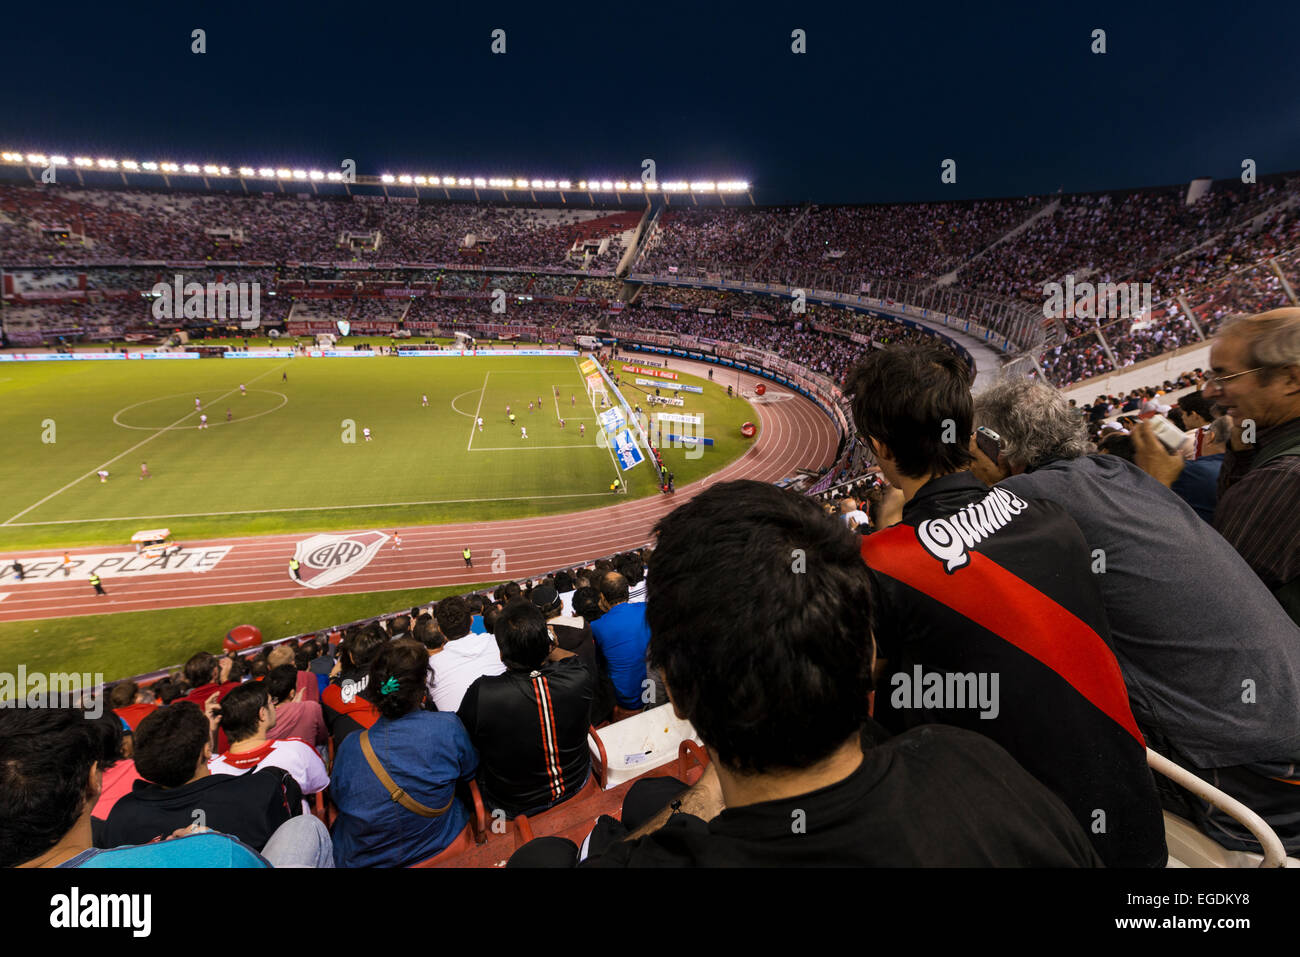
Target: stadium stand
79,263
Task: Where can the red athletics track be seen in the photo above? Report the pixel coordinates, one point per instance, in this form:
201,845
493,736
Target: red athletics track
794,433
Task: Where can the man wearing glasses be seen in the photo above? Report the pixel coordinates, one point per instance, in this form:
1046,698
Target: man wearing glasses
1256,380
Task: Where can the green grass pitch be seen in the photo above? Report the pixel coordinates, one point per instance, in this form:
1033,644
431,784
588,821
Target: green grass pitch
282,463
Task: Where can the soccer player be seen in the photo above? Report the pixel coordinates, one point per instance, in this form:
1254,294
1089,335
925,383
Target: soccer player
582,428
480,423
524,431
530,407
103,476
424,401
284,377
366,433
539,403
573,399
561,423
507,408
203,421
198,406
242,390
144,471
227,415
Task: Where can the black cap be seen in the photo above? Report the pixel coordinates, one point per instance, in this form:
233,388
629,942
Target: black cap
545,597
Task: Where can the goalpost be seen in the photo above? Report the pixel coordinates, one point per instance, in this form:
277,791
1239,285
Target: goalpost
597,394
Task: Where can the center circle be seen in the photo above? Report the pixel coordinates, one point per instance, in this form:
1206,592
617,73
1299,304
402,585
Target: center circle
173,416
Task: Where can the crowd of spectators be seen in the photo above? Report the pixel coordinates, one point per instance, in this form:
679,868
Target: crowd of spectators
97,226
1216,253
405,719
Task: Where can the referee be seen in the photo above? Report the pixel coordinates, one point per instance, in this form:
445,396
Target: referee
96,584
293,569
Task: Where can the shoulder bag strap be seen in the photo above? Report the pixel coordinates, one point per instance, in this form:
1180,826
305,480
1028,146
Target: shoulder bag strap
394,792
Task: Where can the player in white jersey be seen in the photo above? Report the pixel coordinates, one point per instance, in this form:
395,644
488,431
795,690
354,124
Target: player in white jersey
242,390
366,433
524,431
203,421
103,476
424,401
480,423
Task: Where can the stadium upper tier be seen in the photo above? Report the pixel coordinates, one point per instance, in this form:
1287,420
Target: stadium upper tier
1234,249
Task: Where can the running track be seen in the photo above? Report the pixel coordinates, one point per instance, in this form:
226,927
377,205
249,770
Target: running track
794,433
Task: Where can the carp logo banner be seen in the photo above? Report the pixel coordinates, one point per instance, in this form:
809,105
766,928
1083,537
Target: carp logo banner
327,559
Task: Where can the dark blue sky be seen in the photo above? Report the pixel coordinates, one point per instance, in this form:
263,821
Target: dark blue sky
882,96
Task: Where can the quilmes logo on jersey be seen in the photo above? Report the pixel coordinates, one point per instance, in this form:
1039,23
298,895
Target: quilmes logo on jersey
328,559
344,327
949,539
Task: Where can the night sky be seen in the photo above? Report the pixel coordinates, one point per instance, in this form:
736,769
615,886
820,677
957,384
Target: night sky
1012,92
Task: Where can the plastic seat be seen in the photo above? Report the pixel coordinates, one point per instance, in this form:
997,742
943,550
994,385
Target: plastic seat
523,826
474,833
1191,847
621,713
689,756
321,807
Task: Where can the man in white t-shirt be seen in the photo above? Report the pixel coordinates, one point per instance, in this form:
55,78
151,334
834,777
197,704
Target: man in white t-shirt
465,657
247,714
852,515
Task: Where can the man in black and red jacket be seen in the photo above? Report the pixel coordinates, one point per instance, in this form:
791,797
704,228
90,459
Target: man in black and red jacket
988,615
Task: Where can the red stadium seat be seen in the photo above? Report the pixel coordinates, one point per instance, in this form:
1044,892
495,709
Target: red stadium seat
688,753
524,828
474,834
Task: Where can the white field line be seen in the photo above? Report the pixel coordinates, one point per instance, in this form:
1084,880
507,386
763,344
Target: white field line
318,508
520,448
144,441
473,423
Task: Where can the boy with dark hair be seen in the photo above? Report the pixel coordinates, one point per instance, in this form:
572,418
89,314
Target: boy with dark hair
295,717
172,748
989,616
464,658
247,716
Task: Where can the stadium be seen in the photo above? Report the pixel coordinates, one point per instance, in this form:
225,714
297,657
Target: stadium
458,516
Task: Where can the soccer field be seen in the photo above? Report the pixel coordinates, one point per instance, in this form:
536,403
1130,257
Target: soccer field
290,454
